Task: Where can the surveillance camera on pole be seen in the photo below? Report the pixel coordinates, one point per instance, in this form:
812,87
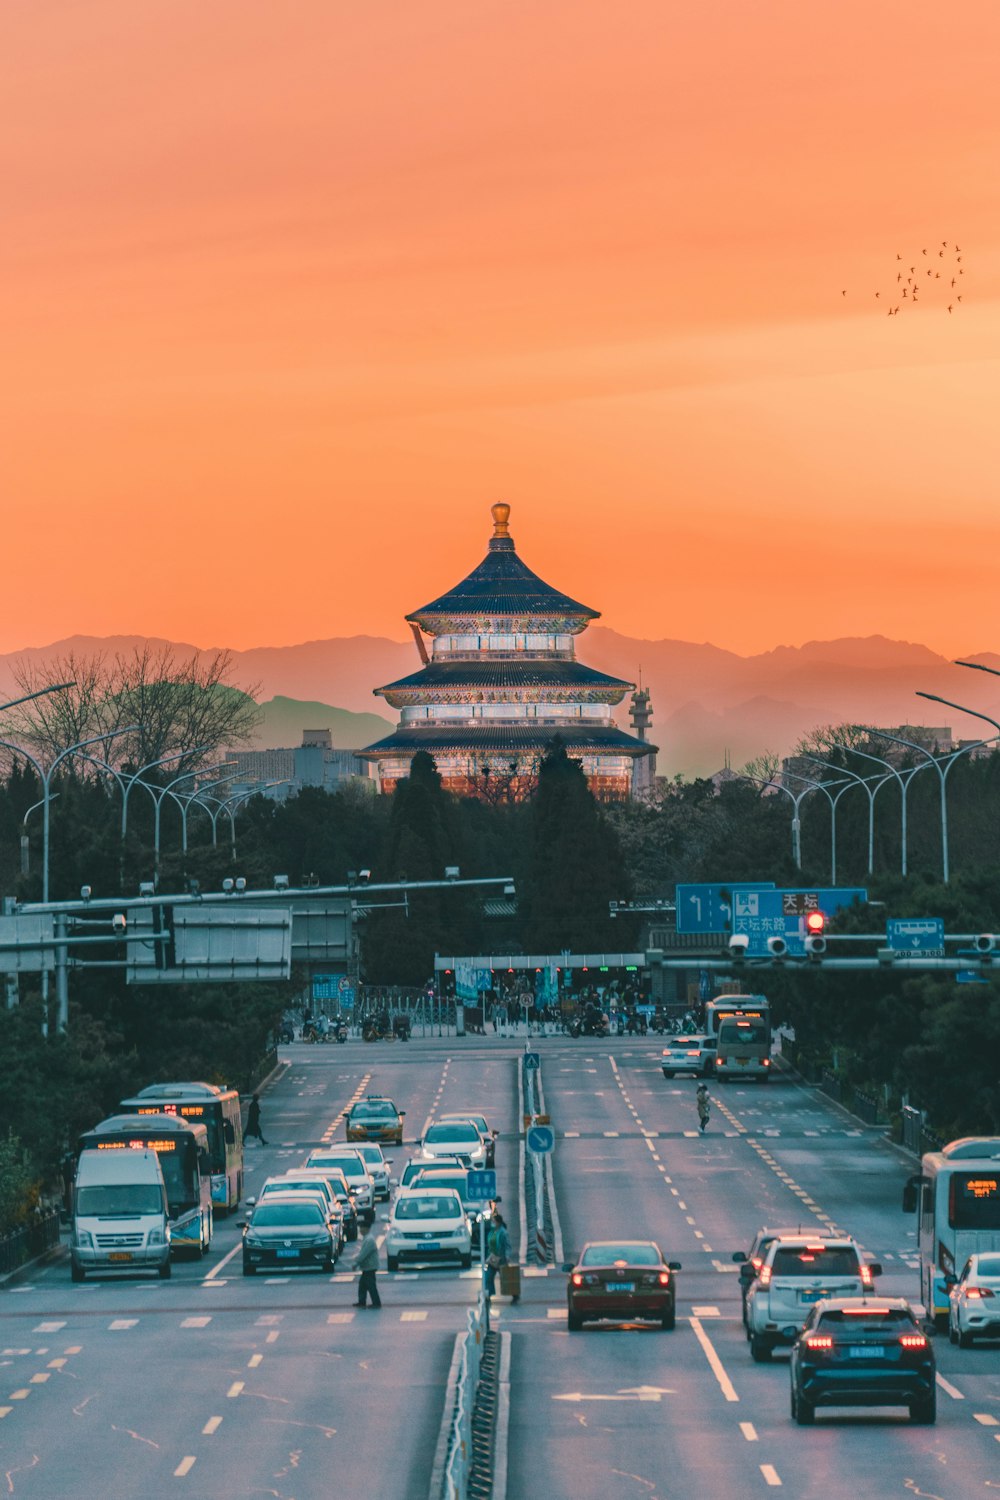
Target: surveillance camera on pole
985,942
738,944
777,947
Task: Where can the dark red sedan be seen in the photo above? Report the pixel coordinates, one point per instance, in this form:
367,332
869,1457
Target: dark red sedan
622,1280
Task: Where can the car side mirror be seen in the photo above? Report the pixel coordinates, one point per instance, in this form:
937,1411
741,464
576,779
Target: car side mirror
739,1257
241,1223
746,1272
875,1268
251,1202
674,1265
910,1198
568,1266
401,1113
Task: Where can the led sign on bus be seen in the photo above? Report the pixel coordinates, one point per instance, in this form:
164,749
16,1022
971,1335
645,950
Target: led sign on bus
974,1201
157,1145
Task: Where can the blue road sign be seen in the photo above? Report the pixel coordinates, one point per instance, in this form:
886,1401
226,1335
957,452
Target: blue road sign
481,1185
702,908
532,1060
541,1139
325,986
969,976
763,914
915,934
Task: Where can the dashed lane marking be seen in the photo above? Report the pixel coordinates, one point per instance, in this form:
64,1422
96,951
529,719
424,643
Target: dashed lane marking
552,1313
749,1431
705,1312
770,1474
185,1466
254,1361
212,1425
40,1378
48,1327
235,1389
985,1418
272,1337
946,1385
413,1315
195,1322
119,1323
340,1317
715,1363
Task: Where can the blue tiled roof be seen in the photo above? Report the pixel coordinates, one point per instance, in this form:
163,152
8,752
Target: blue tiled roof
497,736
507,672
502,585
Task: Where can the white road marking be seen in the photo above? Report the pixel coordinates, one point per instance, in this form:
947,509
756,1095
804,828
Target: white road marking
272,1337
21,1395
555,1312
724,1269
254,1361
48,1327
715,1363
123,1323
39,1379
195,1322
213,1273
184,1467
56,1364
749,1431
5,1411
235,1389
340,1317
212,1425
947,1386
413,1315
770,1474
266,1319
986,1419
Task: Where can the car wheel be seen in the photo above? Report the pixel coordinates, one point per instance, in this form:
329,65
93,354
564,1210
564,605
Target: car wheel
924,1412
940,1322
666,1074
329,1262
760,1349
248,1269
803,1411
165,1270
76,1272
669,1320
574,1322
392,1261
466,1262
965,1340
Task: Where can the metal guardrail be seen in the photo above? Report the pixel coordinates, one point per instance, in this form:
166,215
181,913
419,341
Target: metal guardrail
458,1465
34,1239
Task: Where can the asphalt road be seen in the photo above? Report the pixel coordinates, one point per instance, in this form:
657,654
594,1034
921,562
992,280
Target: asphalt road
212,1385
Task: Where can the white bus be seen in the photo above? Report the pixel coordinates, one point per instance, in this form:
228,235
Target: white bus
741,1025
956,1196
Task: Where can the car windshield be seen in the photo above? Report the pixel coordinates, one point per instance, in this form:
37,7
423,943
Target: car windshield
632,1255
440,1179
867,1320
124,1199
351,1166
287,1213
372,1154
376,1110
272,1190
815,1260
444,1206
453,1133
989,1266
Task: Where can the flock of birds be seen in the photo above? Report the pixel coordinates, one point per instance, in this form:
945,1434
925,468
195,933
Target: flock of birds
921,279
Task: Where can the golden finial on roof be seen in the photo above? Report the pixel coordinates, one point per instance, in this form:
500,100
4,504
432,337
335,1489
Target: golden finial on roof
501,515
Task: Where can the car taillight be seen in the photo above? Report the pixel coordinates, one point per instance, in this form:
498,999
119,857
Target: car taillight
765,1275
577,1279
819,1341
978,1291
756,1261
720,1062
765,1062
866,1276
664,1278
913,1341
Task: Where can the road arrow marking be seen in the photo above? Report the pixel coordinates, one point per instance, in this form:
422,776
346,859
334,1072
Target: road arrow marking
627,1393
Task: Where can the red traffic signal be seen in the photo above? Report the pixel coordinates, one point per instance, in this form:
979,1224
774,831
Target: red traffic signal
816,923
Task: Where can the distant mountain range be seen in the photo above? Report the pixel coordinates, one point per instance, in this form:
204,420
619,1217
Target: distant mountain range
708,704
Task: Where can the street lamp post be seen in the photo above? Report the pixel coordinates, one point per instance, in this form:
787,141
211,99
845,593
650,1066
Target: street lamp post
880,760
822,787
222,805
942,775
797,800
862,781
158,801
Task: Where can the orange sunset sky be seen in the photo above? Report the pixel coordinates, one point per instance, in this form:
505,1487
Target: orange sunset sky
291,293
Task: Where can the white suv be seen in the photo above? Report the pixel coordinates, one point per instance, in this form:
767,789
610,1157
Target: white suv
428,1224
799,1271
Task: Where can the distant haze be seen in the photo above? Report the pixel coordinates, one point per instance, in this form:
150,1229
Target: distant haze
708,704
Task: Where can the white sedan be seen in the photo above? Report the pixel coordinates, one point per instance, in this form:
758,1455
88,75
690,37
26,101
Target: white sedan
974,1301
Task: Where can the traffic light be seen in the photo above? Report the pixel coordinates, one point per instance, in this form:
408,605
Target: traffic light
815,943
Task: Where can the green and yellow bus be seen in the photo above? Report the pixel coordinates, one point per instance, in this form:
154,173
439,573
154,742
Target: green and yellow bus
218,1109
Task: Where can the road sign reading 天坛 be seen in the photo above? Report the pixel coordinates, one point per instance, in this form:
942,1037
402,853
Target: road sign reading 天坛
763,913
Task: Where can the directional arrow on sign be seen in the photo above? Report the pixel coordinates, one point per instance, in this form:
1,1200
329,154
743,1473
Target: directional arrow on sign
627,1393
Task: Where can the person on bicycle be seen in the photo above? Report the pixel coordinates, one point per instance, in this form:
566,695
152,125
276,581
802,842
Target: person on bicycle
704,1108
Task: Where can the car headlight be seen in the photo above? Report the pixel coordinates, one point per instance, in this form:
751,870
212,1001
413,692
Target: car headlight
321,1239
84,1239
157,1237
251,1242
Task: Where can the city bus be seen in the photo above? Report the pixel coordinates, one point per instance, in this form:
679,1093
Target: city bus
741,1026
182,1149
956,1196
218,1109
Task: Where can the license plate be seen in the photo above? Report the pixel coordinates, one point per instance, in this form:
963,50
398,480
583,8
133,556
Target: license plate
743,1061
620,1286
428,1245
816,1295
120,1255
288,1255
869,1351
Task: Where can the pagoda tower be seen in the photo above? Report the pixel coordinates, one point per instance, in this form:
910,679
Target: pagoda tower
501,683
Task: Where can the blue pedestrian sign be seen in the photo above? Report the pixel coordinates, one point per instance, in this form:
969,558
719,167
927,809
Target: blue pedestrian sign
541,1139
763,914
703,908
916,935
481,1185
532,1062
969,976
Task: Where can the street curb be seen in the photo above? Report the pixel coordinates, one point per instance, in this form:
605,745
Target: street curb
784,1066
441,1446
502,1437
47,1258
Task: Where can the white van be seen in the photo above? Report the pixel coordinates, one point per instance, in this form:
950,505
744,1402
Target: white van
119,1214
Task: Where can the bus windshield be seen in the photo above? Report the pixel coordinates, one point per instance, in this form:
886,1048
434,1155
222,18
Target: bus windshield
745,1032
